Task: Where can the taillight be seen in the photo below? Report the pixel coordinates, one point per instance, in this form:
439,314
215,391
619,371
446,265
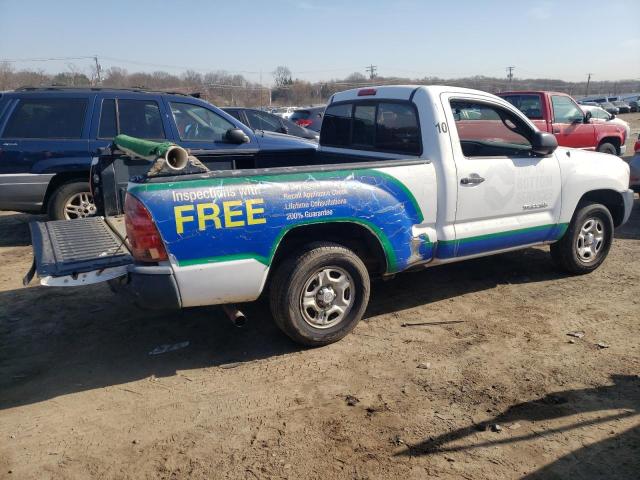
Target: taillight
304,122
365,92
636,147
144,238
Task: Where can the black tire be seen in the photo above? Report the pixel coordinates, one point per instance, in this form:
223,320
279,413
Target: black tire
566,251
67,192
295,274
608,148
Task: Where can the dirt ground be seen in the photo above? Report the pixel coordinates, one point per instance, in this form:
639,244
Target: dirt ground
415,392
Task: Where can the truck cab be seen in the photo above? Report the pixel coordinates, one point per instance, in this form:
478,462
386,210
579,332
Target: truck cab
558,113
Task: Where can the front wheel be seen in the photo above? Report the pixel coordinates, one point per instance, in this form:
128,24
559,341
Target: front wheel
319,295
608,148
586,242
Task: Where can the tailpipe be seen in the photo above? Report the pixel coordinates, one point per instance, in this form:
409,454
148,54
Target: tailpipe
236,316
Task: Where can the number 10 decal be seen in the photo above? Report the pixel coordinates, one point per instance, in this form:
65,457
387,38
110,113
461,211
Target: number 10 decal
442,127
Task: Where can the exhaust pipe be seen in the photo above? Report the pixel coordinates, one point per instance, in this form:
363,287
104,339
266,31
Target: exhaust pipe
236,316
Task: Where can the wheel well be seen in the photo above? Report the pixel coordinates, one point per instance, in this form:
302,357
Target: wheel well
615,141
351,235
58,180
609,198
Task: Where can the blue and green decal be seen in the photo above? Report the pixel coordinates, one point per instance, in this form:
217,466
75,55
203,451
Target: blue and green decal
220,219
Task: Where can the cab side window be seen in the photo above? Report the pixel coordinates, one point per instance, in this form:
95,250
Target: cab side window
487,130
565,110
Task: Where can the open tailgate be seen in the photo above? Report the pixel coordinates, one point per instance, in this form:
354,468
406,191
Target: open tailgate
78,252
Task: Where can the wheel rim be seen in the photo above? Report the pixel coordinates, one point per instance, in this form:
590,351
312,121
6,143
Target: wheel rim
327,297
79,205
590,240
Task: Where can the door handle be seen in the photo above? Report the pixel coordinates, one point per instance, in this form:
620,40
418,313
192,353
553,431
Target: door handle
472,179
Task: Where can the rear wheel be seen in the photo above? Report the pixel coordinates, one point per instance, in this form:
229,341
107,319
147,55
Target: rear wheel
319,295
608,148
71,200
586,242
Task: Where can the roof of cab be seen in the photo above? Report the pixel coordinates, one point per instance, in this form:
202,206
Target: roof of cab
399,92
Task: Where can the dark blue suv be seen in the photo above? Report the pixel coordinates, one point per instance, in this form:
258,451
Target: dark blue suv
49,135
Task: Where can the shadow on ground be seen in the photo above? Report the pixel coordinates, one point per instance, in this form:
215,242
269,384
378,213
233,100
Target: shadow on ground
617,457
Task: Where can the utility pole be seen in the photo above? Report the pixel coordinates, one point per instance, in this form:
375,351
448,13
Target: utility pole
372,71
510,75
98,70
586,93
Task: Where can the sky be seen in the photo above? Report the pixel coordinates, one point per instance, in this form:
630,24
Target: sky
325,39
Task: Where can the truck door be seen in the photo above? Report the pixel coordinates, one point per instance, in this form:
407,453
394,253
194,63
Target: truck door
507,196
568,124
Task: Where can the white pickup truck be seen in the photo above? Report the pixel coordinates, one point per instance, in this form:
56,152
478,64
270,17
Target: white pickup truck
405,177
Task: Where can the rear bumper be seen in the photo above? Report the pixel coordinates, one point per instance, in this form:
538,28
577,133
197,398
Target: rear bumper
151,288
628,198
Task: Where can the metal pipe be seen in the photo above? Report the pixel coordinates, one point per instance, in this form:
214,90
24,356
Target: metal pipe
236,316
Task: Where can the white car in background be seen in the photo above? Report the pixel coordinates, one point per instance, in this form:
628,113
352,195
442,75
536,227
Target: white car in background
599,114
284,112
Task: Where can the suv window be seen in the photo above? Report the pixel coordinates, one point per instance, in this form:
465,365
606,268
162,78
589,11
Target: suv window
529,104
487,130
385,126
263,121
565,110
47,118
137,118
198,123
140,118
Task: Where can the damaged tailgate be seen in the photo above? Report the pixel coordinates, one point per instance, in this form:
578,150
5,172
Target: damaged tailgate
78,252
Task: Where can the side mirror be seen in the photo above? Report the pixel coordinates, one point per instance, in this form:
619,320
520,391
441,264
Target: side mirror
587,117
612,116
283,129
236,135
543,143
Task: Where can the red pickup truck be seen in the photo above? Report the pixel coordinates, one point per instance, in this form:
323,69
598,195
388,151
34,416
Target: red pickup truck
559,114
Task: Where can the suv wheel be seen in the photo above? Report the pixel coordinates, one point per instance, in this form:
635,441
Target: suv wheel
71,200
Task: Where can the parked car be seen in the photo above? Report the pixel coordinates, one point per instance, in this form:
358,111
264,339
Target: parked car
598,114
310,118
623,107
48,137
609,107
592,104
558,113
634,106
259,120
403,180
634,165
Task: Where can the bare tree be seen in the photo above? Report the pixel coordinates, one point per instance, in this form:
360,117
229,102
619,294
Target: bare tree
282,76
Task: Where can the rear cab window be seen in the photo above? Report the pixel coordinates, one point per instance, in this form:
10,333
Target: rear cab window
54,118
528,103
385,126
